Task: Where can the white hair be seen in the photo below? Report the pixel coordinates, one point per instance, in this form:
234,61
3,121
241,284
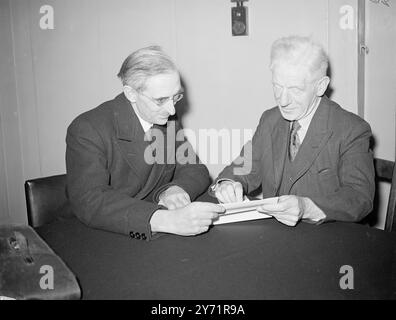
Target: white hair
143,64
300,51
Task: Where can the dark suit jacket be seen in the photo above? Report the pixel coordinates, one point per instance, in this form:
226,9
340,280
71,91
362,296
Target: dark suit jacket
110,185
334,163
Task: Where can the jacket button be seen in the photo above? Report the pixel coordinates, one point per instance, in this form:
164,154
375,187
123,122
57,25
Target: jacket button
144,236
137,235
132,234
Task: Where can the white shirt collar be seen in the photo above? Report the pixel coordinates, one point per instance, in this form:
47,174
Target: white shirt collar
306,121
145,124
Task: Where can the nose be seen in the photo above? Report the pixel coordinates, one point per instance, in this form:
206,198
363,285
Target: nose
284,99
170,107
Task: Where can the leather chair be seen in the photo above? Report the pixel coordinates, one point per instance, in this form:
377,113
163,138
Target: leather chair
385,171
46,200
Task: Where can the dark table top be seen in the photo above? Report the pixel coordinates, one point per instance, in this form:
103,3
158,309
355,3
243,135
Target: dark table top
260,259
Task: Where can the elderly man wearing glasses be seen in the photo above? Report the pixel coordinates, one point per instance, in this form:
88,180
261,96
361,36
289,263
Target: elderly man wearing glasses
111,185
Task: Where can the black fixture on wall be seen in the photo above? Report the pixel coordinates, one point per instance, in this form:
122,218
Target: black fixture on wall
239,18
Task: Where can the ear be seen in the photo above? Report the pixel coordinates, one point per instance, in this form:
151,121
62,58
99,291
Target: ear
322,85
130,93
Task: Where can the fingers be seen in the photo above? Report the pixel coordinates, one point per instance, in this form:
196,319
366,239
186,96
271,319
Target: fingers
219,195
199,226
284,204
286,218
221,192
289,220
286,211
205,223
228,192
272,208
186,197
174,197
183,199
238,191
207,207
176,201
202,214
171,204
202,230
193,219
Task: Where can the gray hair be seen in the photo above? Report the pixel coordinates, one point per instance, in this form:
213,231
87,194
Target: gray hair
300,51
143,64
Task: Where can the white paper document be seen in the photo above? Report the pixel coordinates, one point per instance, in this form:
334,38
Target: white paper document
244,211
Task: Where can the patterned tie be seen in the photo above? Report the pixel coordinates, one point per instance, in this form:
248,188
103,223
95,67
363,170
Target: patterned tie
294,140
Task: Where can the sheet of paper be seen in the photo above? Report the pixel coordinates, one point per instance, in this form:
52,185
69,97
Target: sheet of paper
244,211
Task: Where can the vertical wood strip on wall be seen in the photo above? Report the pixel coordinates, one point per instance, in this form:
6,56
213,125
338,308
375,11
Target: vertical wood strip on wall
343,41
361,56
4,35
10,117
4,212
26,85
380,86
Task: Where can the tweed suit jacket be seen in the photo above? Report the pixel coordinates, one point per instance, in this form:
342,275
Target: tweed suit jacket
333,167
110,184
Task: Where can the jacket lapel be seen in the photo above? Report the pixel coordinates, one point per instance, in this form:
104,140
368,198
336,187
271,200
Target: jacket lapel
156,171
316,138
279,138
130,137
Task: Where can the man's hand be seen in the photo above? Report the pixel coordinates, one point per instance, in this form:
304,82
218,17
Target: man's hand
191,220
289,210
229,191
174,197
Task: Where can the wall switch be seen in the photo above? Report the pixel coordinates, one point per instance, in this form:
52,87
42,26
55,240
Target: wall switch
239,20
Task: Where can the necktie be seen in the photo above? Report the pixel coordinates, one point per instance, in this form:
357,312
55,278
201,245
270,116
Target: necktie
294,140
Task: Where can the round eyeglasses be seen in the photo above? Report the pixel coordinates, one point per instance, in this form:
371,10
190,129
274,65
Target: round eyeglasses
162,101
